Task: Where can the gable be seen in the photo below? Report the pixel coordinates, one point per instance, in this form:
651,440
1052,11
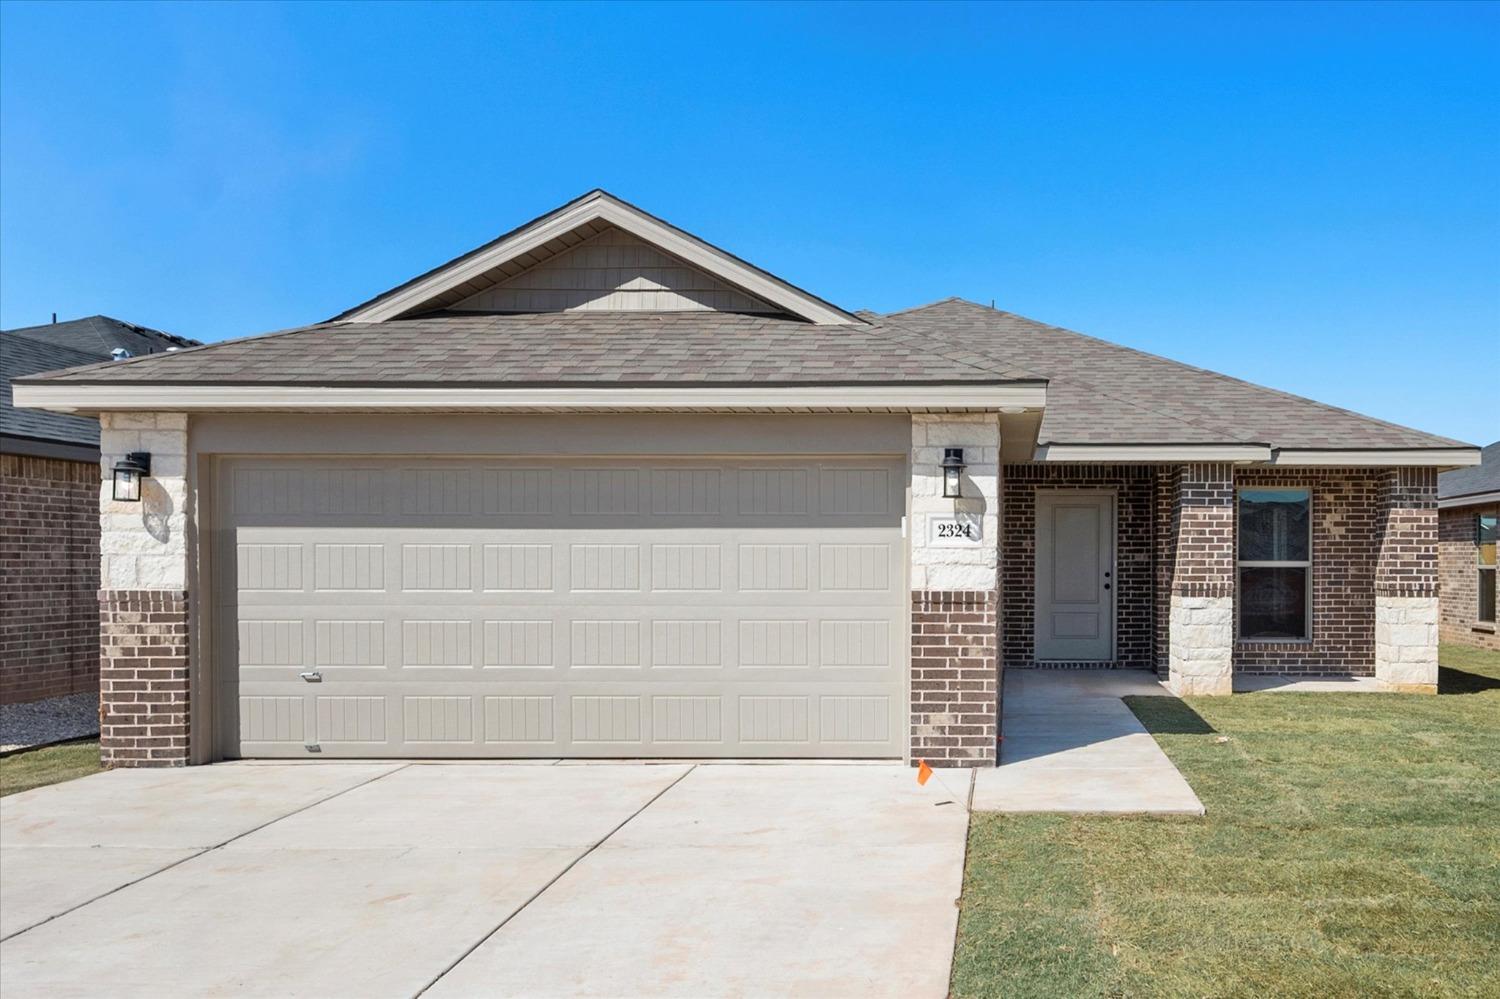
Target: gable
614,271
539,241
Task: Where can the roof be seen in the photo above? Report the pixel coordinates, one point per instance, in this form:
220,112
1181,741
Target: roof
1102,393
32,350
620,348
98,335
1478,480
23,356
562,229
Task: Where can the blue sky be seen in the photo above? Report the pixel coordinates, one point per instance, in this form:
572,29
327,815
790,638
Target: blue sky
1296,195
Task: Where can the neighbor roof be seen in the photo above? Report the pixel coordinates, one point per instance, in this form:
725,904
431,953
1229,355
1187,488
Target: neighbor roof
1478,480
32,350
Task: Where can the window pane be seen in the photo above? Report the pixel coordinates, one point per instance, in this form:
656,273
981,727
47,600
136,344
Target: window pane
1273,603
1487,595
1273,525
1487,531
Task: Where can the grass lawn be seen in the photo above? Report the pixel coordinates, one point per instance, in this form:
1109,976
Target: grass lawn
1351,848
51,765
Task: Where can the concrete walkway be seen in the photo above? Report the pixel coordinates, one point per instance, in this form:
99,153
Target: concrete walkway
484,879
1069,744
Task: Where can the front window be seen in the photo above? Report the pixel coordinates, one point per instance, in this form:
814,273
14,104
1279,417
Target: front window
1275,564
1485,534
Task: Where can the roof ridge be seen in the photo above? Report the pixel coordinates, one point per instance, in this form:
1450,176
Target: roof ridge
1219,375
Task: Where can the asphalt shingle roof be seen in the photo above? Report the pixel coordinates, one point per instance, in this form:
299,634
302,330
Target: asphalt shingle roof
562,348
34,350
1102,393
1097,392
1474,480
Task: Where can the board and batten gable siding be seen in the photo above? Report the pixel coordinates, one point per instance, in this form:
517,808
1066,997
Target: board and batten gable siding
613,272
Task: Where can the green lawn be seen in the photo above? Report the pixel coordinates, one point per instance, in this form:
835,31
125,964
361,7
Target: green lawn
1351,848
37,767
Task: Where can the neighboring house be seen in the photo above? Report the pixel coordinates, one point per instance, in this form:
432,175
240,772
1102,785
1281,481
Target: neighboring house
1468,512
49,530
600,489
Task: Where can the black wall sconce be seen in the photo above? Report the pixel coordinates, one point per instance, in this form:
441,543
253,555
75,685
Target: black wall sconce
953,470
129,471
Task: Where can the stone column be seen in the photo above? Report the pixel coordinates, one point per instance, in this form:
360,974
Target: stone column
1406,582
1201,623
143,623
955,616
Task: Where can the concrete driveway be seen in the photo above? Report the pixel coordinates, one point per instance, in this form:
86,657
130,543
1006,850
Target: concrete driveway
362,880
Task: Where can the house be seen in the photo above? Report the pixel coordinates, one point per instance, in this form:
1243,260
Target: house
599,488
49,535
1468,512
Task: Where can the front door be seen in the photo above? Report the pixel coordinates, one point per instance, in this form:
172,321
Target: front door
1075,576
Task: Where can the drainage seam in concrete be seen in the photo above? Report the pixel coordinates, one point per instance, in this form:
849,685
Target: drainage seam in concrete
195,856
542,890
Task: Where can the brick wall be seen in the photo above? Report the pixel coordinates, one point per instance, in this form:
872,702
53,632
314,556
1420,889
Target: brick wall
49,578
1406,580
1346,506
954,677
1164,551
1458,563
1135,491
143,678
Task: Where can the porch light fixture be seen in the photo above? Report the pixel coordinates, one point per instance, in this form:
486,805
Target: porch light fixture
129,471
953,470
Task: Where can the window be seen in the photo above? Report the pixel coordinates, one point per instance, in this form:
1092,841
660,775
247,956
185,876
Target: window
1485,532
1275,564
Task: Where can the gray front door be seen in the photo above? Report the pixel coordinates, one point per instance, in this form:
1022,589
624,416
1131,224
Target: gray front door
1075,546
574,607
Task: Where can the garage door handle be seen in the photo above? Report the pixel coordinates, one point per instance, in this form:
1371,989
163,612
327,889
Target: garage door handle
312,676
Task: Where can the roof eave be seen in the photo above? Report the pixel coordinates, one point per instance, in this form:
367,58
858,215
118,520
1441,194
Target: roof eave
75,397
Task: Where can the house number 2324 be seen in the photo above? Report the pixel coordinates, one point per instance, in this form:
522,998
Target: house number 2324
955,532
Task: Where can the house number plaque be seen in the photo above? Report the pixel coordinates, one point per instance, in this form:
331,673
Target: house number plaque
962,530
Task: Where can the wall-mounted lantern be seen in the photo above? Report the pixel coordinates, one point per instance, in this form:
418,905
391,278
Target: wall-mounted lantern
129,471
953,470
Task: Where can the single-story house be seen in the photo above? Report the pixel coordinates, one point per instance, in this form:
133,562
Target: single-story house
599,488
49,534
1468,528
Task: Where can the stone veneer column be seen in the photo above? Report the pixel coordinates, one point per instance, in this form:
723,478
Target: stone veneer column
143,621
1406,582
1201,624
955,621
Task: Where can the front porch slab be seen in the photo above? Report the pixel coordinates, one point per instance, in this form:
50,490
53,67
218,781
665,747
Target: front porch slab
1069,744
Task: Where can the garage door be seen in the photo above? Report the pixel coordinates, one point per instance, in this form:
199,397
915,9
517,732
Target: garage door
582,608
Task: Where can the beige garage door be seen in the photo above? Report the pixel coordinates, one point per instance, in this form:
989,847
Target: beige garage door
582,608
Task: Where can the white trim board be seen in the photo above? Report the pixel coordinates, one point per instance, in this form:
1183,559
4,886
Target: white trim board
1474,499
603,207
1414,457
67,397
1257,454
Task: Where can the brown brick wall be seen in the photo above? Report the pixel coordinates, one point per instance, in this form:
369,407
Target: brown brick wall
1203,545
1346,508
143,699
49,578
1135,490
954,677
1164,552
1458,591
1408,533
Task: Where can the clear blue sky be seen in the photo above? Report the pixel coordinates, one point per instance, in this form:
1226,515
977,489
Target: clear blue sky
1307,196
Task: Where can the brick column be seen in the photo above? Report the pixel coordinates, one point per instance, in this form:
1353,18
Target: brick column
1406,587
955,621
143,621
1201,617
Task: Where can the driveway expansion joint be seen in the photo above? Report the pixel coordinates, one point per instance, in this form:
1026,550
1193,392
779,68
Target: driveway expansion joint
555,879
206,850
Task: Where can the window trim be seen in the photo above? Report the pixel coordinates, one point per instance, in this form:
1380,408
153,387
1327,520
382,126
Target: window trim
1480,569
1240,565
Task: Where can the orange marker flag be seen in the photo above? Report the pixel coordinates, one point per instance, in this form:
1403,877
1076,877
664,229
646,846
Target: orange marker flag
923,772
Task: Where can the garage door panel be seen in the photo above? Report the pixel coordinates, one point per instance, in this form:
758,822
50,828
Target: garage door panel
593,608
